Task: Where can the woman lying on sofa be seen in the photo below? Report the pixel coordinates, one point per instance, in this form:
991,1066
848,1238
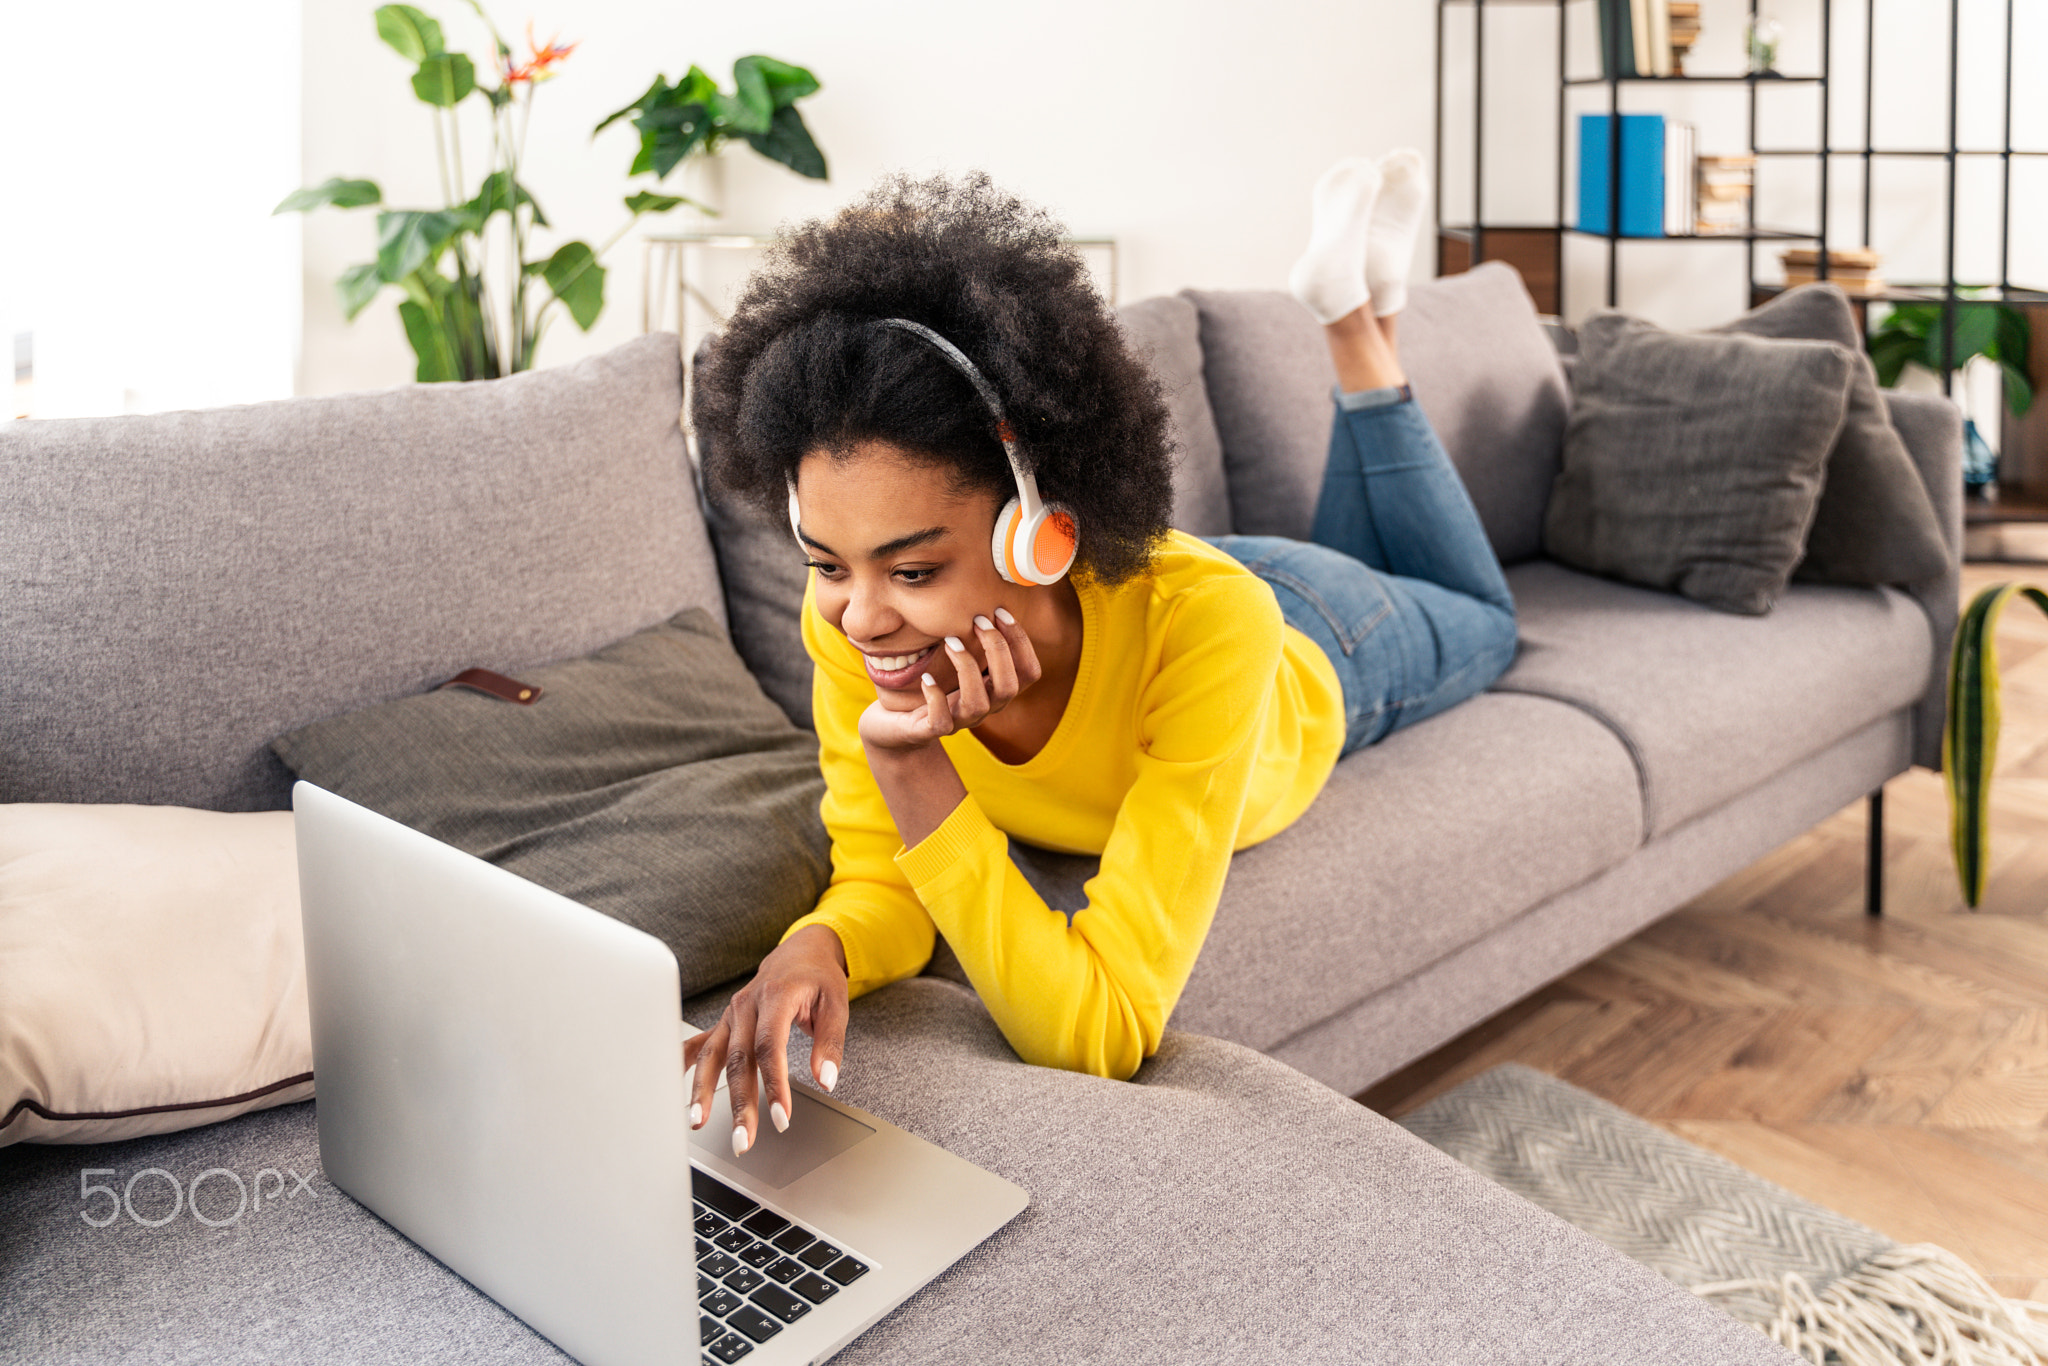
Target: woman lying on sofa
933,363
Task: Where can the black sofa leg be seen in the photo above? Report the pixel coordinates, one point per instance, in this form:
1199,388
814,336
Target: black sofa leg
1873,874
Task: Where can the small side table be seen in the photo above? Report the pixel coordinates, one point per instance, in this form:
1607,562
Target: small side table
673,285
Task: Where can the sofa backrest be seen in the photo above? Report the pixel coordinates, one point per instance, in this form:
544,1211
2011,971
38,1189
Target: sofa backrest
177,589
1481,366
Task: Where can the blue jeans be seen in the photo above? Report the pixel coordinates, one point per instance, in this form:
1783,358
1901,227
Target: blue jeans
1399,586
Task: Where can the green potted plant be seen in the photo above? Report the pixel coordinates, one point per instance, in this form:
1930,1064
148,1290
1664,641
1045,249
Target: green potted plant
469,317
1912,335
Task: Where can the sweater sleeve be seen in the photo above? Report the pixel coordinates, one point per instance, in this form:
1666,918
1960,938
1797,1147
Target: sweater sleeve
1091,992
869,903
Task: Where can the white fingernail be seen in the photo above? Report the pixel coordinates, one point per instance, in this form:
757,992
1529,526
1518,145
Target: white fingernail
953,644
983,623
1003,615
928,681
739,1139
828,1075
696,1116
780,1116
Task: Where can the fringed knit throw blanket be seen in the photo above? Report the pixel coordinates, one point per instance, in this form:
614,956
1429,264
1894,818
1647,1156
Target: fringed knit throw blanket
1827,1287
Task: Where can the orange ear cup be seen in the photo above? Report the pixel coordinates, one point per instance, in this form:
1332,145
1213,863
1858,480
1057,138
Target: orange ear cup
1052,550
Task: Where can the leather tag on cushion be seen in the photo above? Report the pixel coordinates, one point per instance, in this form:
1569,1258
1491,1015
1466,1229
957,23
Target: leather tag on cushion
1875,523
652,780
152,970
1693,462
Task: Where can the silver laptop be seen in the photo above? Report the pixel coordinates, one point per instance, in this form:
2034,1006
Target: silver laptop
501,1079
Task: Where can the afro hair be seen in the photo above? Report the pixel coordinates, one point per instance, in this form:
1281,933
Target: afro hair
802,367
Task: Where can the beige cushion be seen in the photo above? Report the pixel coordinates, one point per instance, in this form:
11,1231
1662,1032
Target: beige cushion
151,968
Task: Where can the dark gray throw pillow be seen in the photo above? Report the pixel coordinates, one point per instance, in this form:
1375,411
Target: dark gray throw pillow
1875,523
1693,462
652,781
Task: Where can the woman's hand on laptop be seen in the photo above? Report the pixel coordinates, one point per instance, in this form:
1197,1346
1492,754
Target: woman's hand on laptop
803,982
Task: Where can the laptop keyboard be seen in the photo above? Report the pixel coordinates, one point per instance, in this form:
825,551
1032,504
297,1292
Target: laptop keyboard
756,1271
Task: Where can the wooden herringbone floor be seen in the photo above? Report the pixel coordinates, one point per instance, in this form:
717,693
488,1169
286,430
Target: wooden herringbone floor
1894,1070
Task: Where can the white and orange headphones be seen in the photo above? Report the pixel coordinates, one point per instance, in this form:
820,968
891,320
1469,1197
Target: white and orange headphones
1034,541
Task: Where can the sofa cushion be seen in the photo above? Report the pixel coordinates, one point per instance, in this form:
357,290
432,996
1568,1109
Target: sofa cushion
1709,703
152,968
763,572
652,780
1870,480
1693,461
1480,364
1166,331
182,587
1221,1208
1417,846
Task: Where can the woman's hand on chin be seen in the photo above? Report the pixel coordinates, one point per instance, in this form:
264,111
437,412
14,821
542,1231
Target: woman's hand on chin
802,983
1012,667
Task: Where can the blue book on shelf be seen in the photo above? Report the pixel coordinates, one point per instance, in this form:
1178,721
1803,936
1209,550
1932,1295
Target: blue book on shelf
1642,174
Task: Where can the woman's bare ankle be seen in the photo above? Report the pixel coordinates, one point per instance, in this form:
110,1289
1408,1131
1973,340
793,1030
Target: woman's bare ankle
1362,347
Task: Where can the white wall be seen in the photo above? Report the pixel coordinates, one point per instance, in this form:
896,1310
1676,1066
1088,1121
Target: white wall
1189,129
141,151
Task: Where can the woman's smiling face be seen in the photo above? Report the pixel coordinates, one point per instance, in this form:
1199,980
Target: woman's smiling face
902,561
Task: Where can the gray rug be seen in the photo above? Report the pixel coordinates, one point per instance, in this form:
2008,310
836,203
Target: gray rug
1822,1284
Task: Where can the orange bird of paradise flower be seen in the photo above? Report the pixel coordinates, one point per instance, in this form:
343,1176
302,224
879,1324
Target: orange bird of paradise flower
540,65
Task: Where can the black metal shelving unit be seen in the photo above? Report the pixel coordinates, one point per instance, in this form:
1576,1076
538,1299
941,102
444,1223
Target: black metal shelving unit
1538,249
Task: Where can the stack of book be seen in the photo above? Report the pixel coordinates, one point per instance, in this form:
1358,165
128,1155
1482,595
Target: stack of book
1636,36
1724,187
1853,268
1685,31
1659,196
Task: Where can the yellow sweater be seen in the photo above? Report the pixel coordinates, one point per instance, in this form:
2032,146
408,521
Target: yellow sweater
1200,723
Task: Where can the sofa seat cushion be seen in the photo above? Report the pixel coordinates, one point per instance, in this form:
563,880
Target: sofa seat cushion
1416,847
1223,1208
1710,703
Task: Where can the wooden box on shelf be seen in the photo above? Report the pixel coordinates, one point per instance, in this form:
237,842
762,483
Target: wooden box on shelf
1531,251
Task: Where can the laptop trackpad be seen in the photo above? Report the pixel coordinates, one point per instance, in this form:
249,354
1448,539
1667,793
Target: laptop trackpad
817,1134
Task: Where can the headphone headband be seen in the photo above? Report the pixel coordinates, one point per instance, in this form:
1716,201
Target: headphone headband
1027,483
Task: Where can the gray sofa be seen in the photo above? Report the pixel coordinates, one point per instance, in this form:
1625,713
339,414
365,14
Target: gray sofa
179,589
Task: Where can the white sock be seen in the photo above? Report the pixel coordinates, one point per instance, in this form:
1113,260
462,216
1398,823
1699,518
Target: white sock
1330,276
1390,239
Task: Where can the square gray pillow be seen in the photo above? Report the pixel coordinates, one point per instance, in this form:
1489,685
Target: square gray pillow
1693,463
1870,481
652,780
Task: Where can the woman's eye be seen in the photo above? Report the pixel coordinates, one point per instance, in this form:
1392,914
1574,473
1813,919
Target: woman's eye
825,570
916,575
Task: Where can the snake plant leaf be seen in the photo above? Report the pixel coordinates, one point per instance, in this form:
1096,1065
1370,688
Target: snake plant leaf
1969,741
409,32
577,280
342,194
445,79
357,286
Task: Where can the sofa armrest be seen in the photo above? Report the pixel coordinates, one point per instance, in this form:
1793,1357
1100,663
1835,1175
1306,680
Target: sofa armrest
1932,428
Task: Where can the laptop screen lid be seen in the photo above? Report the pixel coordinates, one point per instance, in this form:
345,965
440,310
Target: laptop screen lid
500,1078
